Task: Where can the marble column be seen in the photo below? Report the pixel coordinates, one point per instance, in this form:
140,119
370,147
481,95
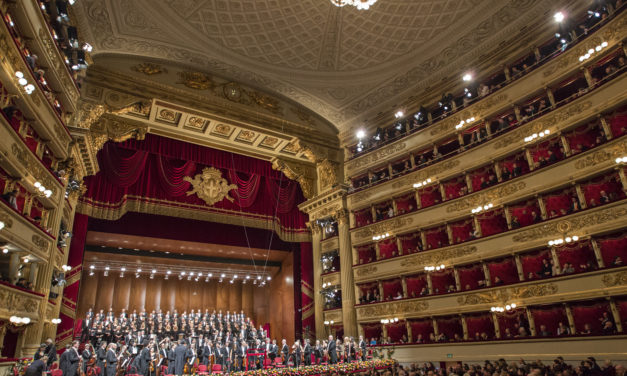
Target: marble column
349,318
316,233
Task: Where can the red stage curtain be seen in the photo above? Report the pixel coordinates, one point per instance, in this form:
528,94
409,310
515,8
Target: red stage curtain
441,280
612,247
396,331
480,323
469,276
391,288
462,230
154,169
372,330
415,284
532,262
493,222
549,316
421,330
577,255
388,248
589,313
505,269
450,326
436,237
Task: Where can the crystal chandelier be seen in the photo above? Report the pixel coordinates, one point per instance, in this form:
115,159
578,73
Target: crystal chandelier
359,4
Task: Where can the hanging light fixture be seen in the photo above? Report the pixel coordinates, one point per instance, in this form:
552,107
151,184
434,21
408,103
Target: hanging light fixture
359,4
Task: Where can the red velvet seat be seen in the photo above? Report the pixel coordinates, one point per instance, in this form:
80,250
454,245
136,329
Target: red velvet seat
267,363
216,368
56,372
202,369
278,363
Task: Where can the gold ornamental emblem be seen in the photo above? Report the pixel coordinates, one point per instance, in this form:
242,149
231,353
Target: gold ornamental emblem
210,186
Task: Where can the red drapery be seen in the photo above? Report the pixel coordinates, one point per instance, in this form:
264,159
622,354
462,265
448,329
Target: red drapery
363,217
583,137
429,196
366,253
405,204
609,184
532,263
493,222
478,324
558,202
589,313
462,230
613,247
415,284
579,255
421,330
519,159
470,275
391,288
450,326
442,281
505,269
409,242
618,122
372,330
542,150
550,317
396,331
453,188
508,322
436,237
479,175
523,212
151,172
388,248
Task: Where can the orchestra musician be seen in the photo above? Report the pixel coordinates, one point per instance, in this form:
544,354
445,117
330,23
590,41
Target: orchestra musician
362,348
143,364
111,360
171,359
88,355
332,351
307,352
296,353
101,355
179,358
285,350
318,352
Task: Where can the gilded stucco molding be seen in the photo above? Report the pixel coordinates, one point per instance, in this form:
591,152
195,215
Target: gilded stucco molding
436,257
377,156
429,172
210,186
392,308
567,225
601,156
14,302
547,121
368,270
482,198
615,279
383,227
508,294
300,172
335,316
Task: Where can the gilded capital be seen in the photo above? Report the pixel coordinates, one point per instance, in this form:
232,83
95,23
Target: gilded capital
341,216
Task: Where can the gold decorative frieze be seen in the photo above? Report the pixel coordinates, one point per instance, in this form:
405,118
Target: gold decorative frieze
33,165
449,124
246,136
324,212
377,156
329,246
149,69
615,279
223,130
327,171
436,256
299,172
487,196
168,116
573,224
392,308
335,316
380,228
196,123
210,186
547,121
269,142
6,219
196,80
426,173
17,302
508,294
603,155
359,197
108,128
40,242
366,270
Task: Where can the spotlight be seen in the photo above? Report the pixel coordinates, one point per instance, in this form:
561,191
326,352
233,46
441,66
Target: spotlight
559,17
399,114
467,77
361,134
139,270
5,250
222,275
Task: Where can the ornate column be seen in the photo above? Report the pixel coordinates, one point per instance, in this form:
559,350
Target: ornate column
519,267
349,317
597,253
316,233
14,263
497,329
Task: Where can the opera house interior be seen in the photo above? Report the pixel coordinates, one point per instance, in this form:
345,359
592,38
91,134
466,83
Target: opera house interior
430,182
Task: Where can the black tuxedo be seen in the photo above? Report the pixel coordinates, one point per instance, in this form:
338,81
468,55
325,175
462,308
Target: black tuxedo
112,363
331,350
69,364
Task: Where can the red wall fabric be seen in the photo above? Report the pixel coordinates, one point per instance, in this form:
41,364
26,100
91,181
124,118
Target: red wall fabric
480,323
577,255
505,269
532,262
550,316
421,328
388,248
613,246
589,313
493,222
442,280
470,275
450,326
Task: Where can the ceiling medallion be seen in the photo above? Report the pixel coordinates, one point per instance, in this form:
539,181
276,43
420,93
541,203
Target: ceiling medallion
359,4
